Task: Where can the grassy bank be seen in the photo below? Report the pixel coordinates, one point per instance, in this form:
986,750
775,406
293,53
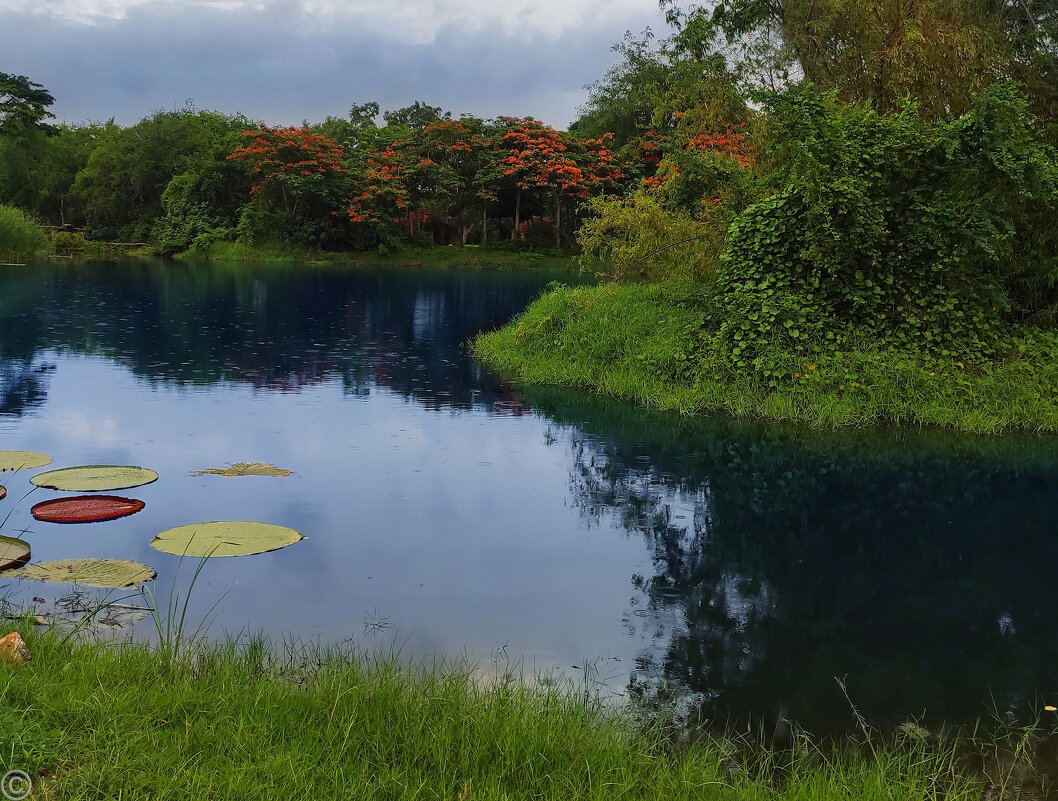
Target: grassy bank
470,256
651,344
123,721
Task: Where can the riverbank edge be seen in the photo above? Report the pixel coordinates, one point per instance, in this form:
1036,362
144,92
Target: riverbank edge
226,721
469,256
648,343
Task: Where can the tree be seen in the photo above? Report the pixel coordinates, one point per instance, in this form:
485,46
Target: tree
121,184
940,52
352,132
463,152
298,174
416,116
23,105
23,140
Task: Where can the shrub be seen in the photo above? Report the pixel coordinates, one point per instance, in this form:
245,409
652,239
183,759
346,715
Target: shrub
929,236
21,238
636,237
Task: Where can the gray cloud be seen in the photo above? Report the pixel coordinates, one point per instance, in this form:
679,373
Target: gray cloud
279,65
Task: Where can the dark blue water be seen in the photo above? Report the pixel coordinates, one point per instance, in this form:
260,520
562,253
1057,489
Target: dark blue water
745,566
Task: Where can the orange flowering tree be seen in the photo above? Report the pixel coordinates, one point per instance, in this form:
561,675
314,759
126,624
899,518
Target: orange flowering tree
537,157
299,176
469,172
395,182
700,170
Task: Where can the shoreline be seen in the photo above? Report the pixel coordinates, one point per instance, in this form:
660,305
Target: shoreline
650,343
228,721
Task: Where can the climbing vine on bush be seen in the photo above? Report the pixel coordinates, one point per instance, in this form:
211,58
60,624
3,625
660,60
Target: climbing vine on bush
889,226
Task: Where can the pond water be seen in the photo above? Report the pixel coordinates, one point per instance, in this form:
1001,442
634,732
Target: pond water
746,566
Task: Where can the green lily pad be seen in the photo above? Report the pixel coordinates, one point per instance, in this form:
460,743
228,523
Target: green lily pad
244,469
13,552
90,572
19,460
95,478
225,538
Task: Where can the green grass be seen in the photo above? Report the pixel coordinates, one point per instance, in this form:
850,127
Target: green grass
20,237
98,720
470,256
650,343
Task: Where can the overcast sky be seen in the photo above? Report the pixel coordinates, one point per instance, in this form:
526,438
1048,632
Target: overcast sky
284,61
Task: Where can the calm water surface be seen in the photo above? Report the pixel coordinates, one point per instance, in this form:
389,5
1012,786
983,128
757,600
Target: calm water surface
747,566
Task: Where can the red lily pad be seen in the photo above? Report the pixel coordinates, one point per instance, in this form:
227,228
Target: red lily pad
86,509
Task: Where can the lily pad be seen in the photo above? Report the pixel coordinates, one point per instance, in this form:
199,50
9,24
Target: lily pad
245,469
13,552
90,572
225,538
86,509
95,478
19,460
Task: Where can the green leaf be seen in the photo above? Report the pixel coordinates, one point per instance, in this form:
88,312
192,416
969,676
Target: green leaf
19,460
90,572
225,538
13,552
95,478
244,469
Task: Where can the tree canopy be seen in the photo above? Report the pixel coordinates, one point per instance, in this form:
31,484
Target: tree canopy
23,105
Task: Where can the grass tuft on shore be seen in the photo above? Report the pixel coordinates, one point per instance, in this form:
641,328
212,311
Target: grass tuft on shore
119,720
652,343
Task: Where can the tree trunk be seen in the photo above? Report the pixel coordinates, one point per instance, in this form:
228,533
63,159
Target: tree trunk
558,219
517,213
484,224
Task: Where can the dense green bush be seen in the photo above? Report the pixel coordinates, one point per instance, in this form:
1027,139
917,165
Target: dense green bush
638,238
935,237
20,237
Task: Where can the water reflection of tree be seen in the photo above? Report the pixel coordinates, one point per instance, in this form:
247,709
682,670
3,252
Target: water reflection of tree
23,385
914,564
274,328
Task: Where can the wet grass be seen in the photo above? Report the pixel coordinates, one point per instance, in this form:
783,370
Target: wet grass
650,344
97,720
469,256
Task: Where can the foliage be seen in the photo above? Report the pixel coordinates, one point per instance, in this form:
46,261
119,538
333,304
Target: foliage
111,573
299,185
877,228
417,116
95,478
660,86
224,538
23,104
129,169
20,236
940,52
38,161
537,157
637,237
200,207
